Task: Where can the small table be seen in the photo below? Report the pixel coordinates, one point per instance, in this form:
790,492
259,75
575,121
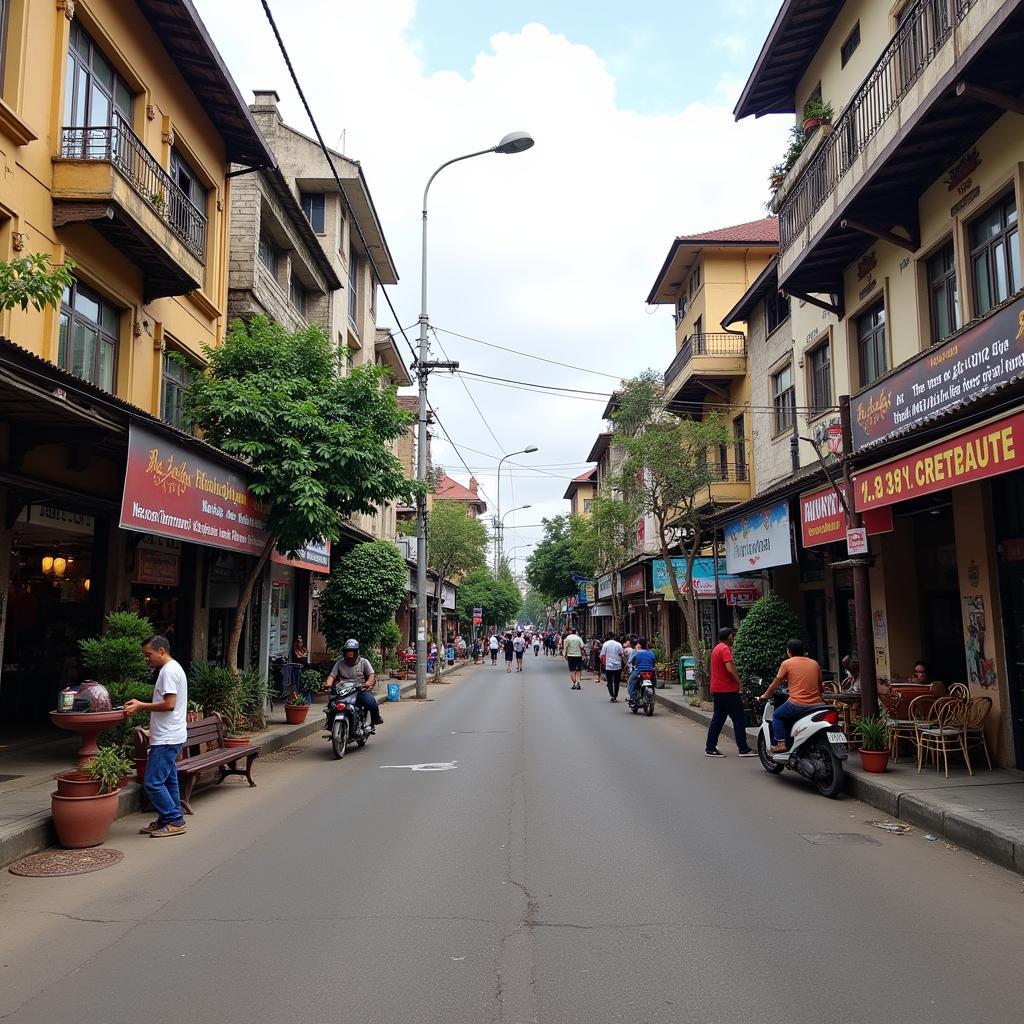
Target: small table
848,705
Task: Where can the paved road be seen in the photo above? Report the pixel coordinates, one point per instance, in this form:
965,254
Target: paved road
579,864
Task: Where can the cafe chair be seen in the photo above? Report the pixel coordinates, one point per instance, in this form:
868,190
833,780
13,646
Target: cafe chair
901,726
945,730
960,690
830,686
978,710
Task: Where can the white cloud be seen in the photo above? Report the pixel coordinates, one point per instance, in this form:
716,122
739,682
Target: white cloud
552,251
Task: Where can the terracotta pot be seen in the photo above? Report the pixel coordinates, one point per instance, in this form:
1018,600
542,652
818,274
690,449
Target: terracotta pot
82,821
77,784
191,716
295,714
236,741
810,124
873,760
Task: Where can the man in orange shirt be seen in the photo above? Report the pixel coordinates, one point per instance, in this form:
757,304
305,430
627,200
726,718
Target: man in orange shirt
803,677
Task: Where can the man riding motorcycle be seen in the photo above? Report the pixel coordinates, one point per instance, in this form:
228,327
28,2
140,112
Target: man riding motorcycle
350,666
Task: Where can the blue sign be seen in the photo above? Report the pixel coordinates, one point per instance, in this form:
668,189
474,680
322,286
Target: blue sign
703,577
394,692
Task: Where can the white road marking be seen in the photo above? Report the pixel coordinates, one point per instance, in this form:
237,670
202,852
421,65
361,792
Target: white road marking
435,766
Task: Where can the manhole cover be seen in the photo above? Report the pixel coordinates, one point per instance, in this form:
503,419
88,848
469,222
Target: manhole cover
65,862
840,839
10,778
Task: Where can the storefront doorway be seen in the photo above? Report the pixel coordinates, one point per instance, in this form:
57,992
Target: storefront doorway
1008,502
942,635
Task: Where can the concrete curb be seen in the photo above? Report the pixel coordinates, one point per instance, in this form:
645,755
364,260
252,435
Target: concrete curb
924,809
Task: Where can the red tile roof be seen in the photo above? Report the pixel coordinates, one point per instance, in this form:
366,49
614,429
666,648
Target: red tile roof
590,477
765,230
451,490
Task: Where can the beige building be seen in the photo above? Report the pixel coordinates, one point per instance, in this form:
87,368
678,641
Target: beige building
580,494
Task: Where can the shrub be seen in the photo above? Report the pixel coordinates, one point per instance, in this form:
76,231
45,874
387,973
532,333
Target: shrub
217,690
252,690
760,644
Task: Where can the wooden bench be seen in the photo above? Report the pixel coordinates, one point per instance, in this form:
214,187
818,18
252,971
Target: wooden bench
204,749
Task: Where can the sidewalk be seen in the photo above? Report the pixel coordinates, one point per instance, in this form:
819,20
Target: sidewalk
983,813
30,766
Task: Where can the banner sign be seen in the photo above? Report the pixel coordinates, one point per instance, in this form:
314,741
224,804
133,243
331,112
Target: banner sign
604,586
823,521
478,616
973,455
59,518
958,371
314,556
759,540
160,568
633,581
703,579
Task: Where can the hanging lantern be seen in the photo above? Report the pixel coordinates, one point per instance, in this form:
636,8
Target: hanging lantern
60,566
47,564
87,583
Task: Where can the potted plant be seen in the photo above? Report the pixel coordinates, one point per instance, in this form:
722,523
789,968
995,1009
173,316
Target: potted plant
296,707
874,748
82,821
77,783
194,712
816,113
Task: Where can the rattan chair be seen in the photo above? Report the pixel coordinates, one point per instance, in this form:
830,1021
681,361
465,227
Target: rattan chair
944,730
901,726
960,690
978,710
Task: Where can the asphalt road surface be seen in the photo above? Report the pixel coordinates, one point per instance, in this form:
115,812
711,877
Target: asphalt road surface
575,864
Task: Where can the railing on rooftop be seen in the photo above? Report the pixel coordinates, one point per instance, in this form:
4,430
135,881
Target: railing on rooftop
924,30
720,344
119,145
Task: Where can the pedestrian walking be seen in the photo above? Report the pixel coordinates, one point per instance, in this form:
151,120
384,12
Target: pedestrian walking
725,693
519,646
167,734
476,652
611,656
573,647
509,649
492,646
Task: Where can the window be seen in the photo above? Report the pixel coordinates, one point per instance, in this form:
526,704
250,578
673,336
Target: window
850,44
313,208
93,91
373,299
268,254
176,379
871,348
995,255
698,326
739,448
87,343
776,311
186,208
297,294
943,300
784,399
588,504
353,286
695,280
820,363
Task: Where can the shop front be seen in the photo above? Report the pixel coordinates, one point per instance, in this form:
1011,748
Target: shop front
634,594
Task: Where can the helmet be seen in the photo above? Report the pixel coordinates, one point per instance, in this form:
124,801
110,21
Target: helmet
351,645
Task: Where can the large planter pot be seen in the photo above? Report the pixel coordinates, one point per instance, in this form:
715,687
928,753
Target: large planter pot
77,784
237,741
82,821
295,714
874,760
811,125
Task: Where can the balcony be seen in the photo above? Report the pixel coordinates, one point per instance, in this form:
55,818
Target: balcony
938,84
730,485
704,358
106,177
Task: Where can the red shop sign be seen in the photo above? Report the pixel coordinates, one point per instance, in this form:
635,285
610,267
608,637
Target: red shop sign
156,567
633,581
823,521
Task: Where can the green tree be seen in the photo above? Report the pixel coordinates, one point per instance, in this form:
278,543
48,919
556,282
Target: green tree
564,552
535,608
318,443
606,540
362,594
34,279
498,597
760,644
456,543
666,472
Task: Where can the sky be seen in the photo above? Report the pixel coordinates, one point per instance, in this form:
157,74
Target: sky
550,253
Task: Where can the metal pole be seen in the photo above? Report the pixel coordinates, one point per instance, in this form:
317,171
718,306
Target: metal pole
861,582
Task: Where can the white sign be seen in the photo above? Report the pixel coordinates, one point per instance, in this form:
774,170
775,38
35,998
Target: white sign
604,586
759,540
857,541
59,518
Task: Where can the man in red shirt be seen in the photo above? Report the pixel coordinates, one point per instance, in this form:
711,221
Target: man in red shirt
725,692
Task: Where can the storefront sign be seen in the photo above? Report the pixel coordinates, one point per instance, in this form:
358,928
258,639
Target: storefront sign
314,556
742,598
973,455
857,541
940,378
633,581
59,518
478,616
604,586
703,579
155,567
759,540
174,492
823,520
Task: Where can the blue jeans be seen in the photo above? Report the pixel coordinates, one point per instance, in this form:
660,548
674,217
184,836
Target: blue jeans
728,705
631,685
161,783
785,715
365,699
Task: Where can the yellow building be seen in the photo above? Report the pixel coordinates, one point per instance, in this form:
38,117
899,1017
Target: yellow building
901,257
580,494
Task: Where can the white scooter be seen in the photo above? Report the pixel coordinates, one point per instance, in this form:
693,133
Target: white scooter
817,746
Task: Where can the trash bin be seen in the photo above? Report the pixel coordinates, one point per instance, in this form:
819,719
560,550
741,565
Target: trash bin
394,692
688,672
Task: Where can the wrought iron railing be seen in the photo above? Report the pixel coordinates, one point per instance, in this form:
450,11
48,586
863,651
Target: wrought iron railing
721,344
923,32
119,145
726,473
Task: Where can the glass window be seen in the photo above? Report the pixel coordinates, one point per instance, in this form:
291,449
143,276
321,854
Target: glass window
313,208
942,293
850,44
268,254
588,504
739,445
872,353
820,361
995,255
353,286
87,336
93,90
297,294
776,311
784,399
177,377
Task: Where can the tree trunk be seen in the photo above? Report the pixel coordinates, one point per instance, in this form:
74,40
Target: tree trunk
687,603
616,605
243,604
441,647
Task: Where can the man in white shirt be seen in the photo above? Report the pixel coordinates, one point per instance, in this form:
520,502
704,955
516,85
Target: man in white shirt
167,734
611,657
492,646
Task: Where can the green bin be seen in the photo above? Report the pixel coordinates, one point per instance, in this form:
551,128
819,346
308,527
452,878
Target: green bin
688,672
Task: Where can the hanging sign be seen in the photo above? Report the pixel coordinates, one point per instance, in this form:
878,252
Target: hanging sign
703,579
823,519
478,616
314,556
857,541
759,540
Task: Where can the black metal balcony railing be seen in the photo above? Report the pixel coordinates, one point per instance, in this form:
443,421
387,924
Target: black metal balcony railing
119,145
729,474
721,344
922,33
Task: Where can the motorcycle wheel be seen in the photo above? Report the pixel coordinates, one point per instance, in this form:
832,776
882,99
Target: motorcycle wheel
635,707
649,706
830,781
363,737
766,759
339,738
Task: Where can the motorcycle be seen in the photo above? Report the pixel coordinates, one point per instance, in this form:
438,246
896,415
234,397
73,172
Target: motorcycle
644,701
816,746
346,721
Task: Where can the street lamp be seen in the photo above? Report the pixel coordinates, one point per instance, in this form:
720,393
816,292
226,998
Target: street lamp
529,450
514,142
499,550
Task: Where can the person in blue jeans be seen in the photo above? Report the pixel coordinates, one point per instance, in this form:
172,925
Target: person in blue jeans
642,660
167,734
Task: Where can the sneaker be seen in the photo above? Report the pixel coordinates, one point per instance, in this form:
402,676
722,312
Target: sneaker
149,829
713,753
170,829
747,753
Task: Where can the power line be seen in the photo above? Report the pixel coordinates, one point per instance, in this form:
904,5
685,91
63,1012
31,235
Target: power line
483,419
